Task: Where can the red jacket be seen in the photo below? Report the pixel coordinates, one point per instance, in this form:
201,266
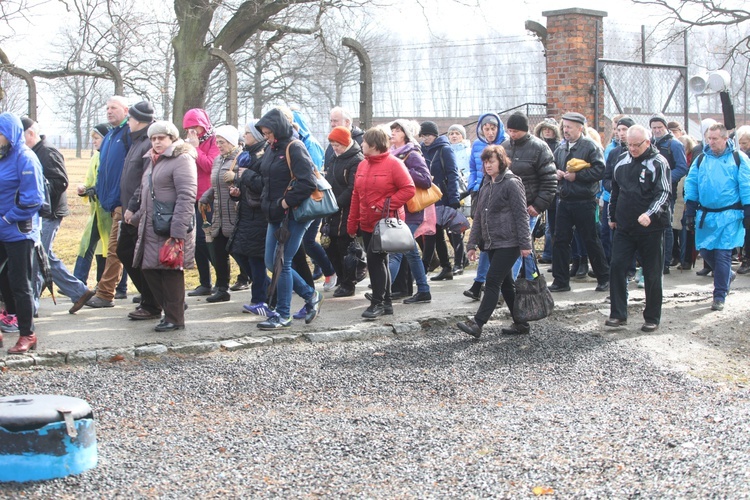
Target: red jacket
378,177
207,148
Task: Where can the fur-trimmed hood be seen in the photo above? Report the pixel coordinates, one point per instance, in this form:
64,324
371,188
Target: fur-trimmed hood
550,124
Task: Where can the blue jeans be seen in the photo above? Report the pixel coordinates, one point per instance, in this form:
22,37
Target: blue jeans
288,280
530,260
415,264
255,269
482,267
721,263
315,250
69,284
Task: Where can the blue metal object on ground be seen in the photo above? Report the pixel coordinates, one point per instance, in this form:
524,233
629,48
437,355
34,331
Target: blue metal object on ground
45,437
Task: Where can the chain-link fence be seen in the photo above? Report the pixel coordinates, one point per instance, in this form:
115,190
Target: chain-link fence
639,90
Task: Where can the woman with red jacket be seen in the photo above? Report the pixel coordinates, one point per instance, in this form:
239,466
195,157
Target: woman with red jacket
379,176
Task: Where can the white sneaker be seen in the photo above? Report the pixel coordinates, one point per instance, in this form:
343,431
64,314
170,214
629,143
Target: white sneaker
330,283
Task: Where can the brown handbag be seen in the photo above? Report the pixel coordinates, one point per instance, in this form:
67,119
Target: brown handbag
423,198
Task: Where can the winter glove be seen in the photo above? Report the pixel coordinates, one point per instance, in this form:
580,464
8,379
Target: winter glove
464,195
576,164
456,205
229,176
690,222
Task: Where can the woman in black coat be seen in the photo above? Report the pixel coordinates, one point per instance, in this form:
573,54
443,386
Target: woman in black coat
247,244
340,173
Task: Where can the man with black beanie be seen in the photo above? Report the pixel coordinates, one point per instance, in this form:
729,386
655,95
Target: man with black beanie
530,159
140,116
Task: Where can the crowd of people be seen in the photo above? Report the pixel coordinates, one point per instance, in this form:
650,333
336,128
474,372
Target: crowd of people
651,199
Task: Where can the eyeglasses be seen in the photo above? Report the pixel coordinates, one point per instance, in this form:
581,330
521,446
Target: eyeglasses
633,146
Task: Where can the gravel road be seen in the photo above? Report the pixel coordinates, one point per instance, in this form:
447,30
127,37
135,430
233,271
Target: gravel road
561,412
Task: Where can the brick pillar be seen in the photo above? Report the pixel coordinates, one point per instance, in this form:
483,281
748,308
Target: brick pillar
573,36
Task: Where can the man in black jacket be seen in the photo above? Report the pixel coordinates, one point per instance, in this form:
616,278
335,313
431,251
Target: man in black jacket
580,167
638,215
140,116
530,159
53,167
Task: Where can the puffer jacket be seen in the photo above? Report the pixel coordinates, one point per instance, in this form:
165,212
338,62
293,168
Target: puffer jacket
53,168
412,157
476,169
223,206
207,149
378,177
275,170
640,185
249,237
532,161
716,184
501,219
174,180
341,172
21,185
441,159
586,184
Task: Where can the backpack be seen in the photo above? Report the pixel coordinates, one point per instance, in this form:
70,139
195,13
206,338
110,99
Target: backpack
736,155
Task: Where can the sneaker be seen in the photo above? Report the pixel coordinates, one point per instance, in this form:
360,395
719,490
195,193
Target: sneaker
374,311
8,323
419,298
343,291
716,306
313,307
275,323
302,313
121,295
330,283
239,286
259,309
744,268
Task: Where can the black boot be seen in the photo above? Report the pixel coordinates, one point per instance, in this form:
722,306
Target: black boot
445,274
583,269
475,292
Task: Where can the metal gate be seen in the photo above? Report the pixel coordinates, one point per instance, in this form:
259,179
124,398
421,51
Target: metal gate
639,90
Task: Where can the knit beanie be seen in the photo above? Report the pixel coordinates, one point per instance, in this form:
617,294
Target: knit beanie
229,133
459,128
489,119
27,123
142,112
626,120
342,135
163,127
250,129
102,129
658,117
429,128
518,121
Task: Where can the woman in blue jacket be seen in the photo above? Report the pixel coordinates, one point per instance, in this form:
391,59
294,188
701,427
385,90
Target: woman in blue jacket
21,198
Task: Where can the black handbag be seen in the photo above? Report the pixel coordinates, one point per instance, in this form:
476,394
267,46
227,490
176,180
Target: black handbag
391,234
163,211
540,228
533,299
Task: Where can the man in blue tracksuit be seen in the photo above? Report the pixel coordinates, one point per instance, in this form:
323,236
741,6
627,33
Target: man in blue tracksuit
21,198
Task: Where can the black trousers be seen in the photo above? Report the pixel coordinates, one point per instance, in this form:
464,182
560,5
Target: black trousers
168,286
336,251
126,252
435,242
15,282
650,247
582,216
217,249
499,280
202,256
380,275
